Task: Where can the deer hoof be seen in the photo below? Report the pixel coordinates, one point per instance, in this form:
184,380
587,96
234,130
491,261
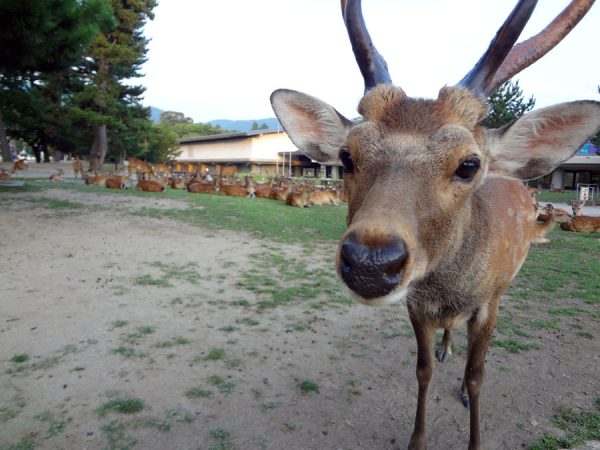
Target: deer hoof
464,398
443,356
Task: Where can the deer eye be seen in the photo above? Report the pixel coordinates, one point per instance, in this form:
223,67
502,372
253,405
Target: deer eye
467,169
347,160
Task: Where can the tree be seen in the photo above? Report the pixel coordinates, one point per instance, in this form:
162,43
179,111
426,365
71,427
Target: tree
40,37
110,106
506,105
174,117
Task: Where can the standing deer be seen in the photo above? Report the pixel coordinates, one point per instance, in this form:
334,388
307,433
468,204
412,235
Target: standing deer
437,211
77,169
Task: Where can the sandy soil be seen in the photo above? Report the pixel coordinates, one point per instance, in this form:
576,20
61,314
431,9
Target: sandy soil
111,305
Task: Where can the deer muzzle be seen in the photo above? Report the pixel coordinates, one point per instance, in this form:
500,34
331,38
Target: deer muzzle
372,271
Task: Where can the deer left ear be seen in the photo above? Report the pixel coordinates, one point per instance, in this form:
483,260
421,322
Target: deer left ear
316,128
540,141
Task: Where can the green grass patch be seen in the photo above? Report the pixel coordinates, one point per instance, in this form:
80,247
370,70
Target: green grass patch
579,427
20,358
224,386
121,406
198,392
514,346
307,386
149,280
215,354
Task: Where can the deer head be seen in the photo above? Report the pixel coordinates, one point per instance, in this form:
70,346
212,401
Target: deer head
411,166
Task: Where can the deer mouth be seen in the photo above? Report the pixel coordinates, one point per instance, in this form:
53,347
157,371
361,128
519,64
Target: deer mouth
373,273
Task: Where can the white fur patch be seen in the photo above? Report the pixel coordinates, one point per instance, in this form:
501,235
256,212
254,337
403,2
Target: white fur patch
393,297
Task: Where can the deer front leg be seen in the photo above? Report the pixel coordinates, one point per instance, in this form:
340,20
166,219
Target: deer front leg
480,330
424,333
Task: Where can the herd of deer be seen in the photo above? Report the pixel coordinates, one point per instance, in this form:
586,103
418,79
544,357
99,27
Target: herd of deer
438,215
156,177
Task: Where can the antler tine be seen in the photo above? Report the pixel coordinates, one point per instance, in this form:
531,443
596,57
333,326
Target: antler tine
479,79
372,65
527,52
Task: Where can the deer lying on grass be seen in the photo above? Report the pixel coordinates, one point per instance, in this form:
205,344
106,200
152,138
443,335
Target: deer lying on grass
58,176
437,212
4,175
324,197
299,199
150,186
584,224
98,180
117,182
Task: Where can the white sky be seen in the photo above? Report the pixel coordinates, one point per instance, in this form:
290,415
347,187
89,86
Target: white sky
221,59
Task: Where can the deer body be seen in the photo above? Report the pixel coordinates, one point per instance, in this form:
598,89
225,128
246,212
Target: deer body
585,224
438,214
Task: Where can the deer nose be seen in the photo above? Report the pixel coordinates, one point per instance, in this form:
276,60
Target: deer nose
372,272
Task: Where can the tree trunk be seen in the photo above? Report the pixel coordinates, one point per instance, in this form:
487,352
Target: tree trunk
4,145
99,148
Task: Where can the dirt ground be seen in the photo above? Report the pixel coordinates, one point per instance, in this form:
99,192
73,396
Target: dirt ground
108,305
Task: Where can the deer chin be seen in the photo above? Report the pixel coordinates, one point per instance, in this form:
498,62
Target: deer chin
393,297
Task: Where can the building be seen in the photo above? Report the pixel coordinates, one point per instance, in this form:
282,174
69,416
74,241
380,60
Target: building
262,152
581,169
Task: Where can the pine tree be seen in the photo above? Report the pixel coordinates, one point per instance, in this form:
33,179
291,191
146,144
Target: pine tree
112,108
507,105
37,39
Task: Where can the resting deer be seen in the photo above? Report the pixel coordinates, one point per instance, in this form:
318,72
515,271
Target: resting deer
438,214
4,175
299,199
58,176
150,186
585,224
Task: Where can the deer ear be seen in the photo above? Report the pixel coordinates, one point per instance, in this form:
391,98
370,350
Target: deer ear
317,129
538,142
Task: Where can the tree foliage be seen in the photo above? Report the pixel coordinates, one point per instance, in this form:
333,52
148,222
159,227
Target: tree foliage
506,105
38,40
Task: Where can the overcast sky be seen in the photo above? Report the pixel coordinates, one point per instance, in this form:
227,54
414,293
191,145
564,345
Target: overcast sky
221,59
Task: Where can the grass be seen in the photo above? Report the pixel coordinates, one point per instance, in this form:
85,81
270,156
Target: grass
198,392
514,346
307,386
121,406
578,426
20,358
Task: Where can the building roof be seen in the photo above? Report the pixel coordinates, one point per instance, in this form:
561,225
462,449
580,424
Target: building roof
225,136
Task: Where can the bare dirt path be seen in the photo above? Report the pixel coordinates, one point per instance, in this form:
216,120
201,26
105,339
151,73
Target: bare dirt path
122,331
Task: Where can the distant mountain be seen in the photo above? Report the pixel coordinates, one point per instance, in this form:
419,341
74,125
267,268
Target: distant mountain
246,125
155,114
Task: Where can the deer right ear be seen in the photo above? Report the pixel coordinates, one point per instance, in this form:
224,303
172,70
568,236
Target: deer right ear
316,128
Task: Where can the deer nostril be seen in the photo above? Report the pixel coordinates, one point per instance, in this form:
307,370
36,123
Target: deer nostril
372,271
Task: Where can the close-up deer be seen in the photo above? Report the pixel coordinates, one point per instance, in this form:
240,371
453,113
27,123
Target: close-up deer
438,215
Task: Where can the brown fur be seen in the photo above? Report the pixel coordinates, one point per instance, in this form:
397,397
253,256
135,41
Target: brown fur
454,242
585,224
142,169
58,176
325,197
99,180
298,199
19,165
150,186
116,182
77,169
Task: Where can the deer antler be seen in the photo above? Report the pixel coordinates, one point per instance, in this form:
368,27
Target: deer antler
372,65
502,61
527,52
479,79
